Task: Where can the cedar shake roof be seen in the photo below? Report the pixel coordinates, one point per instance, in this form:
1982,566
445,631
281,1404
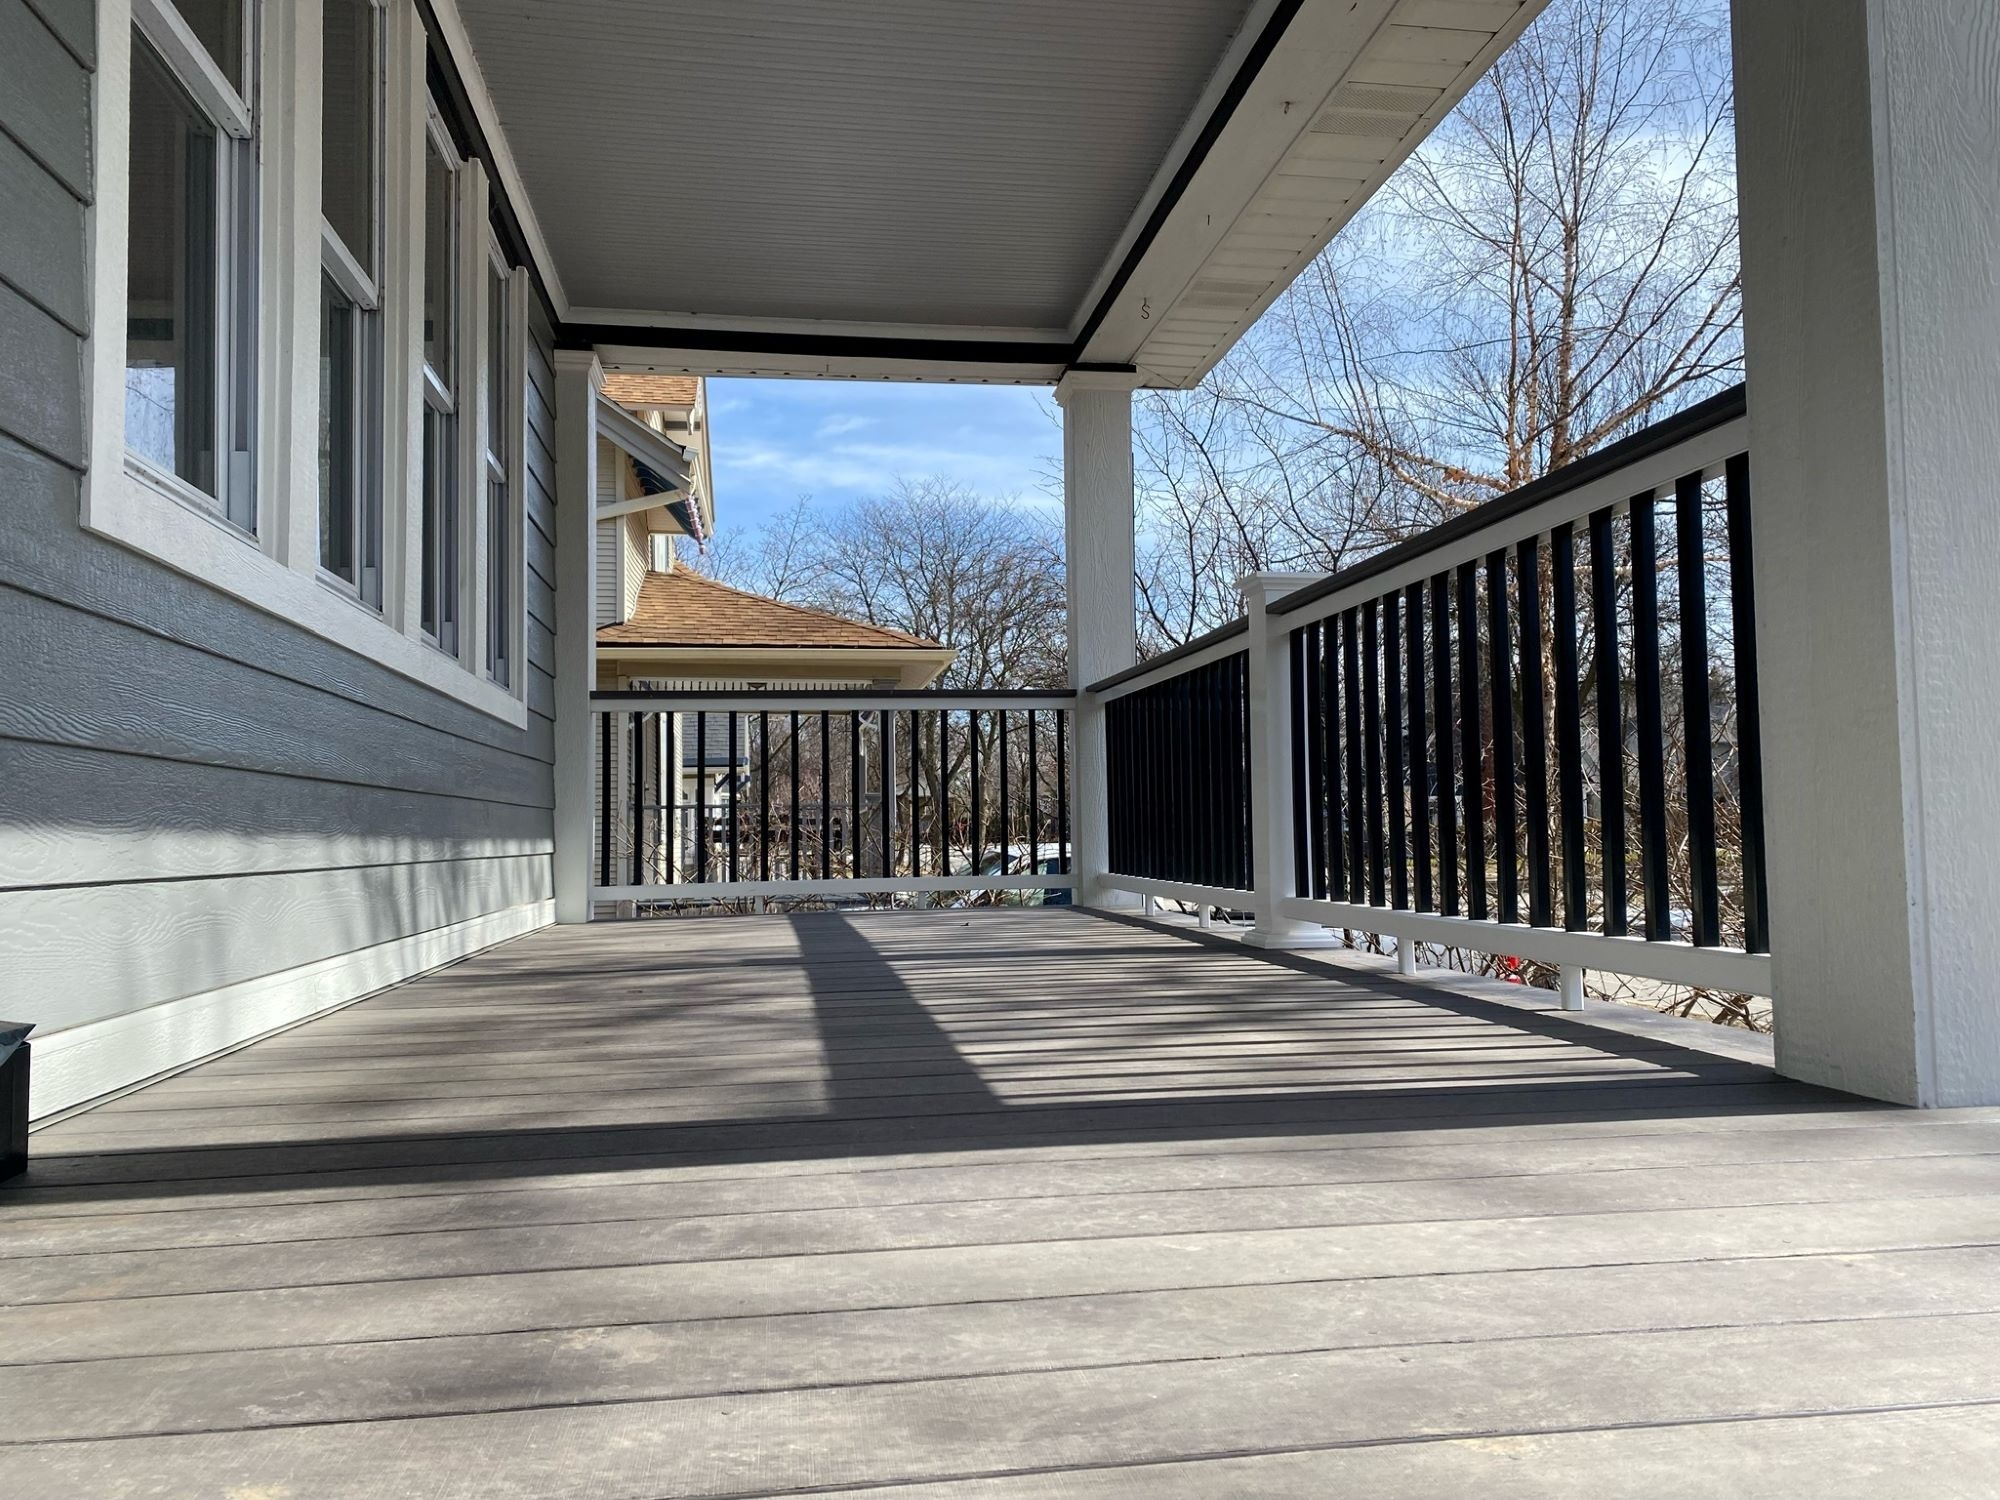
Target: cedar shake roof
682,608
652,390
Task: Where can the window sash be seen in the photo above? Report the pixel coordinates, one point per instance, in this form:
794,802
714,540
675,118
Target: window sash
222,301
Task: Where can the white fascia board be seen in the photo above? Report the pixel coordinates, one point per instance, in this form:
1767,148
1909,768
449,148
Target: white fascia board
628,434
716,363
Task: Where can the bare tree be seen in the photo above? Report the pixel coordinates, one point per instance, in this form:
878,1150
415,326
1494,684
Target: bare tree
1556,265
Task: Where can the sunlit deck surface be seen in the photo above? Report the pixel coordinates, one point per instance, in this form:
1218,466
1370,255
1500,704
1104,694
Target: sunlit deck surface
989,1204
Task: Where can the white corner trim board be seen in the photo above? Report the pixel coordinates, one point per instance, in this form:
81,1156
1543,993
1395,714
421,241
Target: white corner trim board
82,1063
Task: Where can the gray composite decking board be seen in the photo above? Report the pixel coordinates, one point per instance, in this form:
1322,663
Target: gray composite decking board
446,1303
72,815
234,1389
730,1444
1843,1456
866,1260
1447,1211
220,1219
44,96
41,239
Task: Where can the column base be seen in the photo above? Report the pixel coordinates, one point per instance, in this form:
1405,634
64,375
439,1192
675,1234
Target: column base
1291,936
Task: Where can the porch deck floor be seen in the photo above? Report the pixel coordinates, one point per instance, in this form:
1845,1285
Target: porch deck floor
989,1205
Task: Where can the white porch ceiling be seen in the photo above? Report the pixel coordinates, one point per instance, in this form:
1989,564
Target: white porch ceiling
981,189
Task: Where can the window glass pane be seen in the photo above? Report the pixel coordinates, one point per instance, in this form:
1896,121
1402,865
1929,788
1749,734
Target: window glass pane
439,605
347,128
500,607
170,316
337,497
496,361
218,25
440,248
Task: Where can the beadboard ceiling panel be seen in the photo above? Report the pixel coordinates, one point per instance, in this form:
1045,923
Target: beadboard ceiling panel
969,164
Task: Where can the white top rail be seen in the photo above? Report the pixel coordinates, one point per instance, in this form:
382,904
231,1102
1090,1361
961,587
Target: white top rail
841,701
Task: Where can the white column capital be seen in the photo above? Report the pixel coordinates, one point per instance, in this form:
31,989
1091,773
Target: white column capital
1086,379
569,361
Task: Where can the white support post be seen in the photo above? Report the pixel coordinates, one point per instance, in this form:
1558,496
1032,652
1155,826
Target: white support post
1867,135
1103,619
1273,872
578,376
1406,955
1570,981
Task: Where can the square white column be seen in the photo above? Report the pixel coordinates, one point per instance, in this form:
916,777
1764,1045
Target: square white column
578,377
1098,564
1868,132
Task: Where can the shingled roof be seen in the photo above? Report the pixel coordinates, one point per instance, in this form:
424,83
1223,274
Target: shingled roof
652,390
683,608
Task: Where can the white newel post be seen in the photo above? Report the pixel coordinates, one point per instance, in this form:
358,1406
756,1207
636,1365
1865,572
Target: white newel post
1868,132
1274,871
1103,620
578,376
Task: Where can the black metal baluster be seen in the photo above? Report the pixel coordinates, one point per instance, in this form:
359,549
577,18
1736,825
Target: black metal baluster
638,797
1697,719
1749,731
916,754
674,753
1006,801
1506,851
792,838
1420,750
1333,852
1569,729
885,735
701,796
604,798
1371,753
1394,777
1357,786
1649,719
735,819
1471,743
1610,721
856,787
1308,791
1034,796
763,796
1534,733
1062,784
941,802
826,794
1442,720
977,834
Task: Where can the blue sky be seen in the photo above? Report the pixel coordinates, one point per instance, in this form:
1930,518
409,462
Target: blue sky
838,440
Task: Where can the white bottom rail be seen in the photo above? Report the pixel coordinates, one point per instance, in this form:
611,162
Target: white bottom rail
1729,969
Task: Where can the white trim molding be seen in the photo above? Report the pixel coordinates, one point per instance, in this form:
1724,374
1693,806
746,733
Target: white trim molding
81,1064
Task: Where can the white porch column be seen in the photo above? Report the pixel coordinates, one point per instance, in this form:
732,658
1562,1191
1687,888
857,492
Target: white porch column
1273,870
1868,132
1103,620
578,376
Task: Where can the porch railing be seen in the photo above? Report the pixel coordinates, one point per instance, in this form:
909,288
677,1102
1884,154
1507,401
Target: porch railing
1531,731
740,795
1177,740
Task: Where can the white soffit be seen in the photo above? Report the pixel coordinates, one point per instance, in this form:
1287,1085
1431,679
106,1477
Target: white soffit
1351,90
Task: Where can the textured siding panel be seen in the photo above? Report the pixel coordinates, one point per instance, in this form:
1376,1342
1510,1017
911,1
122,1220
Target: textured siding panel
194,793
44,96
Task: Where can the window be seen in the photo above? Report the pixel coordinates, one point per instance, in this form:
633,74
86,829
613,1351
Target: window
440,563
350,322
190,254
499,439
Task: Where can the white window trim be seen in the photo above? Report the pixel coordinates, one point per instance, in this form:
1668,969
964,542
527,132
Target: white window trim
128,502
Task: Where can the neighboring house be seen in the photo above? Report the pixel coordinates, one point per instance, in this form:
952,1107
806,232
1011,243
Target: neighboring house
664,626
